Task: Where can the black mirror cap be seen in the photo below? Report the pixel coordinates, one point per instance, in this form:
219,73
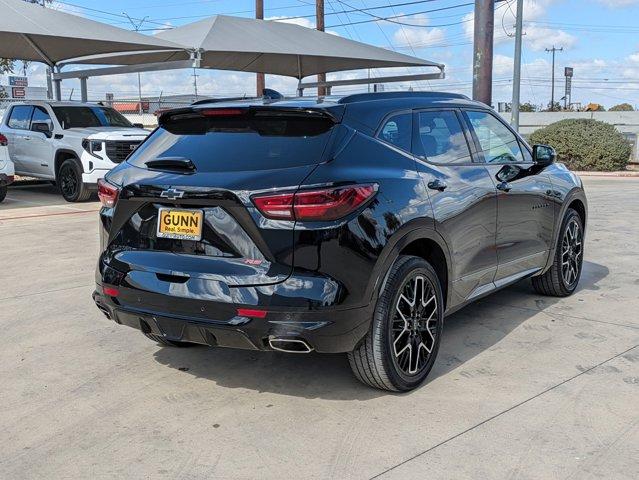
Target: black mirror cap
544,155
138,125
42,127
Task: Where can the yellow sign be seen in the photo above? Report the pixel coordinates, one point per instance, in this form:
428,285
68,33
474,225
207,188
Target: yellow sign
180,224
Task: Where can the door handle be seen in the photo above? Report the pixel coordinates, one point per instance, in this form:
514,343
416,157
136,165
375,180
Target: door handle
437,184
503,186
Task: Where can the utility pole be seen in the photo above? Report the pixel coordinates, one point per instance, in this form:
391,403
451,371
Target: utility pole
319,14
552,89
259,79
483,51
514,122
136,27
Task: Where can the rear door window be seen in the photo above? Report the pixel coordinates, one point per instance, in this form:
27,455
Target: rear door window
20,117
245,142
40,115
441,138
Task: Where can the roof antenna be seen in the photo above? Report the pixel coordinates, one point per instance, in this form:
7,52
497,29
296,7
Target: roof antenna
270,94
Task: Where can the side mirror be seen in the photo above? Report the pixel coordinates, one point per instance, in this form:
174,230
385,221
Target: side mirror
544,155
42,127
138,125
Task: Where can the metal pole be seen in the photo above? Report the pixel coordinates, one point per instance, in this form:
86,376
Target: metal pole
49,84
260,81
83,90
552,89
483,51
319,14
139,94
517,70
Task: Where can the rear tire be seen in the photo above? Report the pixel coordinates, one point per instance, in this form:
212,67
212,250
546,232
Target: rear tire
562,278
3,192
70,183
166,342
400,348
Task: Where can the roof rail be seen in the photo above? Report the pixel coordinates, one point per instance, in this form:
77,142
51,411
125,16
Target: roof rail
361,97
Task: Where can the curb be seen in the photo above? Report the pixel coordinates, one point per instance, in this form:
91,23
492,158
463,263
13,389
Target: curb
629,174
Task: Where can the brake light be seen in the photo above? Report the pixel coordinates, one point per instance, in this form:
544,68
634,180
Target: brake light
221,112
107,193
251,313
314,205
111,291
3,141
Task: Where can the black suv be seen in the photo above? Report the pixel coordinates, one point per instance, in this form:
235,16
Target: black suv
333,225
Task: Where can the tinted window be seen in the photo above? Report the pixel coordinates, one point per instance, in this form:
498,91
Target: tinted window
20,117
40,115
238,143
527,155
82,117
441,138
497,142
398,131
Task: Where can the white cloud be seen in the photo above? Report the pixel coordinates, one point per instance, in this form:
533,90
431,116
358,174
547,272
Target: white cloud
418,37
302,22
502,65
618,3
539,38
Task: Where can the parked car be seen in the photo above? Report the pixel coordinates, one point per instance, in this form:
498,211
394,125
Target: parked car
342,225
73,144
6,167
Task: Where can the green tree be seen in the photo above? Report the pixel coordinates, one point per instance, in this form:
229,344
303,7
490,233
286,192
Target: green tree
586,144
527,107
622,107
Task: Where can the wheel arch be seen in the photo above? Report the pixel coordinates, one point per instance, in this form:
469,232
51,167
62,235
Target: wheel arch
418,240
61,155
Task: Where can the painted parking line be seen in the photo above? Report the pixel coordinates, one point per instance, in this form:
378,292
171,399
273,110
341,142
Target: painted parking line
40,215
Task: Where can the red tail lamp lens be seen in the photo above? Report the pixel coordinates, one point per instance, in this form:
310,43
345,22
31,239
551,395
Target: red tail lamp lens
111,292
251,313
3,141
107,193
315,205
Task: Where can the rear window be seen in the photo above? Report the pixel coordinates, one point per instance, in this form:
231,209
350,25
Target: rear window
252,141
84,117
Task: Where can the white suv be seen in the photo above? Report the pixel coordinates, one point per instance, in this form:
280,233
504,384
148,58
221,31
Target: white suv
6,167
73,144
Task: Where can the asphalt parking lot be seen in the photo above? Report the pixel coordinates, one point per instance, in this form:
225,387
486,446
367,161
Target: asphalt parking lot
525,386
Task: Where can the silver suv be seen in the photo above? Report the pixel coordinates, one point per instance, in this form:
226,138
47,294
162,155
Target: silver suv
73,144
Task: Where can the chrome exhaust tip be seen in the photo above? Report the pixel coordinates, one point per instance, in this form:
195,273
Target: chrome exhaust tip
289,345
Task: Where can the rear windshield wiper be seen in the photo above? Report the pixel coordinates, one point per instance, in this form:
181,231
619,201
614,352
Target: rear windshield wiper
172,164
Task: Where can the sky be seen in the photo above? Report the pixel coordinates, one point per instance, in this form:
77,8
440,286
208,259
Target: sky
600,40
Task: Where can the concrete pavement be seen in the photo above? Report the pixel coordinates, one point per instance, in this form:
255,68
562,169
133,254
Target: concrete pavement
525,386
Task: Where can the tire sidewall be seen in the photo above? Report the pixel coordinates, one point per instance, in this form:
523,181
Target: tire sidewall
73,165
3,192
383,318
570,215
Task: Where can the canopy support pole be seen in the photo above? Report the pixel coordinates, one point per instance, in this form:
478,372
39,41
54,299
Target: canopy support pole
84,95
57,84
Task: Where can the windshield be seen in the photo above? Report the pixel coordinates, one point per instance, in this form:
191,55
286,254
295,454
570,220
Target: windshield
84,116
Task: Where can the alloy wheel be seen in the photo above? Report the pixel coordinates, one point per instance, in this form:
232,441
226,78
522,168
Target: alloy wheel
414,325
68,182
571,252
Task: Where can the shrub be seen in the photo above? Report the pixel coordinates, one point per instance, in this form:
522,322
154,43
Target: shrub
622,107
584,144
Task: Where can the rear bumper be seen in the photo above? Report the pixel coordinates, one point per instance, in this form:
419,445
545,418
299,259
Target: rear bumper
325,331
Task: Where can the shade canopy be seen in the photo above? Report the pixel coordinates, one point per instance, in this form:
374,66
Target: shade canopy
31,32
249,45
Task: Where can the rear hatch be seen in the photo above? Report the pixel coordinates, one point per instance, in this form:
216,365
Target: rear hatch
206,164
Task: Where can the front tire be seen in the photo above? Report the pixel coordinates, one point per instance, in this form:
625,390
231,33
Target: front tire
400,348
70,181
562,278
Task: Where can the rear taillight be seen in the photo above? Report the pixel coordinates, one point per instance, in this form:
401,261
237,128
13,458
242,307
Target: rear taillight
107,193
321,205
3,141
222,112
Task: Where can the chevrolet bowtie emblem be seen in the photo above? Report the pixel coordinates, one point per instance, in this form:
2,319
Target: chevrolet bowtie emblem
172,194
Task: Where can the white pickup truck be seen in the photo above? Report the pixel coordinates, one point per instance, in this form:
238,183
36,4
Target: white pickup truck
70,143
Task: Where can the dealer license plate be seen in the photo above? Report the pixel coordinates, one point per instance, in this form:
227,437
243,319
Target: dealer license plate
180,224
